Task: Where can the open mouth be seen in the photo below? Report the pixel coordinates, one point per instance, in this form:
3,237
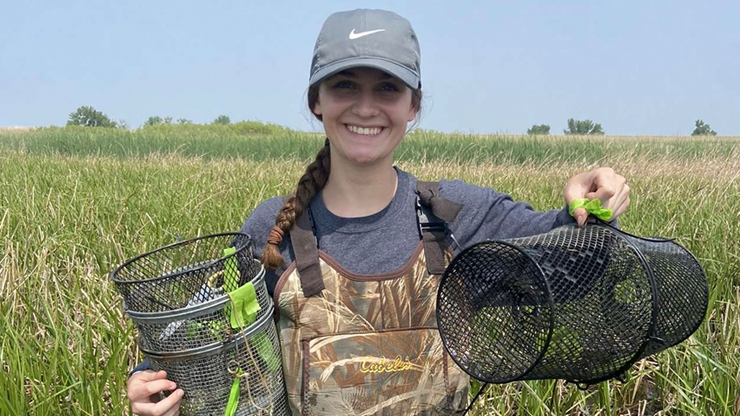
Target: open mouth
365,131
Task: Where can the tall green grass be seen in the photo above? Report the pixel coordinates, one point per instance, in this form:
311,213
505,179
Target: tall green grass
75,203
269,143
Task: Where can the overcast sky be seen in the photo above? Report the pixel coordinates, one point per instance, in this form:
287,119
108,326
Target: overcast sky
637,67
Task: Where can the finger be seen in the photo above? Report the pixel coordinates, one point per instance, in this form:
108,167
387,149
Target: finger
598,183
149,375
619,200
143,392
167,406
604,185
621,209
175,411
576,188
157,386
171,405
604,193
580,215
621,194
134,383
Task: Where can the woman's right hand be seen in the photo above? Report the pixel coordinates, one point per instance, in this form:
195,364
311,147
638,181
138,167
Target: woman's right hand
143,390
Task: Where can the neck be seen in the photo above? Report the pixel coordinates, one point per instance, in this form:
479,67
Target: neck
359,192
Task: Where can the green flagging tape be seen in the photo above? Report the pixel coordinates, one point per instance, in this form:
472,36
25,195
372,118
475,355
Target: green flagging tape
242,312
244,306
264,349
233,402
592,207
231,272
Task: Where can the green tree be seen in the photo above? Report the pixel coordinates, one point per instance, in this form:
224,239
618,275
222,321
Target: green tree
703,129
89,117
583,127
184,121
538,129
153,121
222,119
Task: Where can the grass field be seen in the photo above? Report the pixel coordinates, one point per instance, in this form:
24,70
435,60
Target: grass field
74,203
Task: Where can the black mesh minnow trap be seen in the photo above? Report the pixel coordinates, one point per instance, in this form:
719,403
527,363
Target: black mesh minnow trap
184,273
203,314
580,304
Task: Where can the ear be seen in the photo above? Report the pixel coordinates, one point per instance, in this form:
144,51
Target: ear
412,113
317,108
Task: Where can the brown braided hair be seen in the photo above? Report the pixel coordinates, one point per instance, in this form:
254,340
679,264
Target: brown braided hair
310,184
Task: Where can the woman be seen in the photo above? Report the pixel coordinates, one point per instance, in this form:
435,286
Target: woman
353,277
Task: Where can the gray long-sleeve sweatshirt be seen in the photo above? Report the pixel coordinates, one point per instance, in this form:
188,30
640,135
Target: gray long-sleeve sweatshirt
383,242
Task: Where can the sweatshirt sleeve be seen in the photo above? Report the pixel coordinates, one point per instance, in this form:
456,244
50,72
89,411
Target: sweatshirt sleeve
490,215
142,366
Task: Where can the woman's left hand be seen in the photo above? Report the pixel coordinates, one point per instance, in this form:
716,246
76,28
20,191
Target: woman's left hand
603,184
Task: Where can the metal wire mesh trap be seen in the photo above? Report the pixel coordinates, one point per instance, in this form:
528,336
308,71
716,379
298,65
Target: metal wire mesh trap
196,325
203,314
184,273
580,304
207,374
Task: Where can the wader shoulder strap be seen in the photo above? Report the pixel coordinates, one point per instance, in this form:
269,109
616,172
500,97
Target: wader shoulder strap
306,253
433,213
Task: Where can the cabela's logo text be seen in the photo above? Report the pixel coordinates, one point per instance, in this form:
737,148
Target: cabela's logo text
383,365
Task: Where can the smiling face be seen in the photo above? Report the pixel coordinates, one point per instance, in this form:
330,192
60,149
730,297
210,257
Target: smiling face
365,112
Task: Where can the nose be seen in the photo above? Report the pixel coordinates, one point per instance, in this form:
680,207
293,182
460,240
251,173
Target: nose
365,105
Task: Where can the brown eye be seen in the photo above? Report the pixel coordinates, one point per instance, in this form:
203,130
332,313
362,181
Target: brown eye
343,85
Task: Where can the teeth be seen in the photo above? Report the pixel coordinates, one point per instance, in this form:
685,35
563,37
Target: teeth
366,131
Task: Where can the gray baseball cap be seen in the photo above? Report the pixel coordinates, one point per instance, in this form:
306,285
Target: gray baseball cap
367,38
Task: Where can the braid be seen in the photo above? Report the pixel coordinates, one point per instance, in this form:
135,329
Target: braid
310,184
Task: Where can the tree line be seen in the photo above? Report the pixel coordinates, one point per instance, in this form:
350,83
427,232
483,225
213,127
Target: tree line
89,117
589,128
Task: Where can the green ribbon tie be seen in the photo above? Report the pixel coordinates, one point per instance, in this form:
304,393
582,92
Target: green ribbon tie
233,402
592,207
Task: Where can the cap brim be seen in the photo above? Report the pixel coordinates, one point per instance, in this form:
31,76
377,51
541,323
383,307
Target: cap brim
404,74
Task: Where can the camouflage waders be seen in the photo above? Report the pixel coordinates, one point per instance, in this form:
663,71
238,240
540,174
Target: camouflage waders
368,345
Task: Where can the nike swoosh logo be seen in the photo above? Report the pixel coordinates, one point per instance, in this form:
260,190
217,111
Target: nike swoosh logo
353,35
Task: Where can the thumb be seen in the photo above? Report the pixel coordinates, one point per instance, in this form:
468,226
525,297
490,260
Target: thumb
580,215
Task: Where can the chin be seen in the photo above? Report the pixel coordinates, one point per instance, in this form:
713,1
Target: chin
364,161
363,156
